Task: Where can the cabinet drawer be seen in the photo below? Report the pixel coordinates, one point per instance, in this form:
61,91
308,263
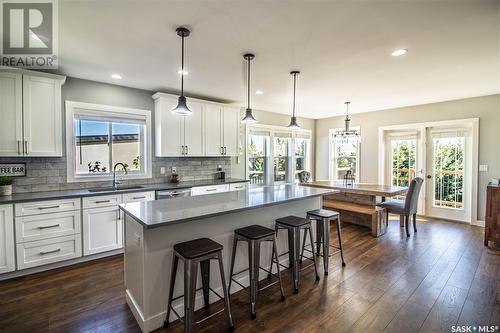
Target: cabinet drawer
202,190
237,186
47,251
43,226
102,201
48,206
139,196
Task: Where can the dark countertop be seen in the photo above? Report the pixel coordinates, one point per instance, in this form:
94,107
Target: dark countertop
158,213
67,194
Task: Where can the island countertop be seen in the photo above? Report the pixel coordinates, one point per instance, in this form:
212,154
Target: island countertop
153,214
360,188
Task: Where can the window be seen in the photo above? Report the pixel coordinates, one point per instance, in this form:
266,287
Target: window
403,161
275,155
100,136
344,156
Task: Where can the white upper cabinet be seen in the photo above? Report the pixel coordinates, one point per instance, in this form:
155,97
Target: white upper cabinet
42,116
7,252
231,131
30,108
211,130
11,113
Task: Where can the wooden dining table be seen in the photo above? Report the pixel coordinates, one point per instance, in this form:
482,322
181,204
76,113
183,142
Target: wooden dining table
357,203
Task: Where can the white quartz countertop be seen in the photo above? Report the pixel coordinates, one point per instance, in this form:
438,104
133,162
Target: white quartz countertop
165,212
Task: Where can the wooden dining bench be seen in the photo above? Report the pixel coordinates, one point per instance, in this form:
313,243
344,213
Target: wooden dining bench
369,216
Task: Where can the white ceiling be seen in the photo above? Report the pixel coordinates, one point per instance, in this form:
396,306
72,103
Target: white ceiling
342,49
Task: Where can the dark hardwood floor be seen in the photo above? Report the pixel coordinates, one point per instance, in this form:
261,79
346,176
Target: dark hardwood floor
440,277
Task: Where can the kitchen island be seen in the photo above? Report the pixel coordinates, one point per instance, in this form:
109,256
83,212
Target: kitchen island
152,228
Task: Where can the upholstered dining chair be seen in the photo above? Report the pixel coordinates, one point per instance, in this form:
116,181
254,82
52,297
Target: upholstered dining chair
407,207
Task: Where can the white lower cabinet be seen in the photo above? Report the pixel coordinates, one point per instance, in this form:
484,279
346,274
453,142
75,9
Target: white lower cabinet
102,230
7,250
48,251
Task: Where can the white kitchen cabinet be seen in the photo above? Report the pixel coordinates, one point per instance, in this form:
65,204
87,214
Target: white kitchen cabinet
168,128
102,230
211,189
43,226
30,109
11,113
193,130
7,249
231,131
213,130
42,116
48,251
138,196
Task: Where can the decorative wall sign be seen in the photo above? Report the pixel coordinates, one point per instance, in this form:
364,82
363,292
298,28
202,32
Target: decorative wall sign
13,169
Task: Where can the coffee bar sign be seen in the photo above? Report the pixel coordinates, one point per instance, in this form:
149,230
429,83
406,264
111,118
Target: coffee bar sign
13,169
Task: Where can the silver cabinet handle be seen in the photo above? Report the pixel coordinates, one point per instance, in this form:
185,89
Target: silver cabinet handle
49,207
102,201
18,149
143,197
211,190
52,251
49,226
225,150
26,147
187,150
119,215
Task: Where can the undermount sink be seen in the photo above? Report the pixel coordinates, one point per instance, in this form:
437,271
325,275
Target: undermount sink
112,189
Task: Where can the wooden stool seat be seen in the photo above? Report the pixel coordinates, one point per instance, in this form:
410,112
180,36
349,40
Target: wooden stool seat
197,248
293,221
323,213
254,232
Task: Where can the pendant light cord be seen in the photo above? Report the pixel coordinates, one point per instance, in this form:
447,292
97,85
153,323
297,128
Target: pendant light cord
294,88
248,83
182,66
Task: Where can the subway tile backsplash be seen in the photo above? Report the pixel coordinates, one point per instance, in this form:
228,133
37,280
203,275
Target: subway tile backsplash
49,173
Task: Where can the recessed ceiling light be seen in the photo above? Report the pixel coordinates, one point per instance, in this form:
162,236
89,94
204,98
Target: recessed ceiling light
399,52
116,76
182,72
259,92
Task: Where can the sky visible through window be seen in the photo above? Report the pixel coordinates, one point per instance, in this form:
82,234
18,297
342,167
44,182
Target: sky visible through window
91,127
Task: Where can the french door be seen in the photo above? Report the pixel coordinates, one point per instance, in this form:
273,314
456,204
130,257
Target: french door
442,154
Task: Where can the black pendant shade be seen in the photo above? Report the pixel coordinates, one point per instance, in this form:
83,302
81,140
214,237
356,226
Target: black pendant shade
182,108
248,118
293,121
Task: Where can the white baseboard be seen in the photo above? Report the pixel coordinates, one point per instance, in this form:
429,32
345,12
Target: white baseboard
479,223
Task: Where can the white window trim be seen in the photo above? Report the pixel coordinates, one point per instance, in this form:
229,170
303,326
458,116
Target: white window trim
71,109
272,130
332,167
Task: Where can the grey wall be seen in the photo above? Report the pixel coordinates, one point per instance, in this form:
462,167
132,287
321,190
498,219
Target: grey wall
274,119
486,108
49,173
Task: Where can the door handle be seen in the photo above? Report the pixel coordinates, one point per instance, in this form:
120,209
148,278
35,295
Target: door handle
47,252
49,226
187,150
221,149
102,201
26,147
18,149
49,207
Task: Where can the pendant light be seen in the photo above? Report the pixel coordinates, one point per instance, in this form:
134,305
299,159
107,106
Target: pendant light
293,120
347,132
182,108
248,118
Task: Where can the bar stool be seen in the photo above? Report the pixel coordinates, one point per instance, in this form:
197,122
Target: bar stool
254,235
323,218
194,252
294,225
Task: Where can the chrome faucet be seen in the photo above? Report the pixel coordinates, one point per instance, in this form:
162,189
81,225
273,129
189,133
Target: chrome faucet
124,166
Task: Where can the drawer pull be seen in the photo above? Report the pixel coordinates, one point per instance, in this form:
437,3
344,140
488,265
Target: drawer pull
102,201
211,190
49,226
51,251
49,207
136,198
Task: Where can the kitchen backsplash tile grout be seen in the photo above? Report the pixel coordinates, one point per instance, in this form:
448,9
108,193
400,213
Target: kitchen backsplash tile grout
49,173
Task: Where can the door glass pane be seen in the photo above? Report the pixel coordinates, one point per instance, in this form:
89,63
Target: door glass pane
301,155
448,175
92,147
345,157
127,145
403,162
281,159
257,151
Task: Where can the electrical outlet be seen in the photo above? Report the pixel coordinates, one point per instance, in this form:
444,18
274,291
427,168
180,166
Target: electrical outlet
162,170
174,170
483,167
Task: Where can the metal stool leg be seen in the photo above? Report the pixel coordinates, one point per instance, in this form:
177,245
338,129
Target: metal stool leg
275,255
253,263
173,274
190,276
233,257
312,248
205,281
304,246
339,232
227,305
295,250
326,243
319,236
